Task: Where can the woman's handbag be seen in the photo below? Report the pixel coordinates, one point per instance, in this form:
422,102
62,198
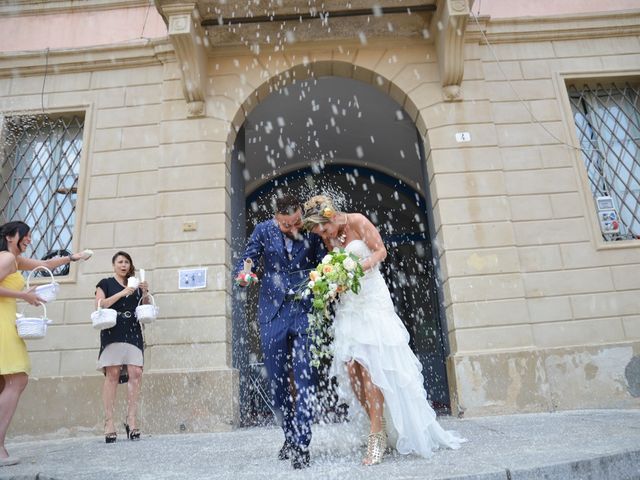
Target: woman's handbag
48,292
32,328
148,312
104,318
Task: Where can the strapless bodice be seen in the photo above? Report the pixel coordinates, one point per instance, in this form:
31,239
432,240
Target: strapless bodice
358,248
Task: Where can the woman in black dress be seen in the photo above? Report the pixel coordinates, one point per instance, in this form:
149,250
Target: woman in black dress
122,346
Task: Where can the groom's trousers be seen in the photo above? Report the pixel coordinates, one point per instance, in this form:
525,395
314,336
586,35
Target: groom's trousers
285,346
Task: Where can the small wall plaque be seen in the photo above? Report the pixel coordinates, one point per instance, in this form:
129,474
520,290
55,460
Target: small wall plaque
192,278
463,137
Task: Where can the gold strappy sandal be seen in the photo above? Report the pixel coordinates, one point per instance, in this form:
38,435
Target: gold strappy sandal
388,448
376,445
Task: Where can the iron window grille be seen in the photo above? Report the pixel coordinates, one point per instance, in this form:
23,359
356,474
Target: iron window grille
40,167
607,120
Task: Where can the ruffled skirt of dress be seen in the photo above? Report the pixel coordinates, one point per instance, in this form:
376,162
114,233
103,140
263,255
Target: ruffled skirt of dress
367,330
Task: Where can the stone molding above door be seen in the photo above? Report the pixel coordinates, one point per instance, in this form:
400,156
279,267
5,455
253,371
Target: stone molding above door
200,27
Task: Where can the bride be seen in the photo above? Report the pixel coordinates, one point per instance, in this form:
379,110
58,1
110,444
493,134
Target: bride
371,345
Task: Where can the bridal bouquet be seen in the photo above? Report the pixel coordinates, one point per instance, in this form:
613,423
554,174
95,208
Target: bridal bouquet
338,272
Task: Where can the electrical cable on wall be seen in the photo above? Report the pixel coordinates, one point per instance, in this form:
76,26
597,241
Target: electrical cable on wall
146,16
533,120
46,53
44,79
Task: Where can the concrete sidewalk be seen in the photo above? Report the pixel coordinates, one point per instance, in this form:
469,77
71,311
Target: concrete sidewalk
594,444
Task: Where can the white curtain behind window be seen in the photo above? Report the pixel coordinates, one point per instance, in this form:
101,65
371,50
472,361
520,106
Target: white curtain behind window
40,178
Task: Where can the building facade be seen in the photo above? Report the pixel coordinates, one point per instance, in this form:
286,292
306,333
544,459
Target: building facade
498,154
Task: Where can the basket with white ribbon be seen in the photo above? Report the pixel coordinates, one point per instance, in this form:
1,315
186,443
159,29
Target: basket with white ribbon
104,318
47,292
148,312
32,328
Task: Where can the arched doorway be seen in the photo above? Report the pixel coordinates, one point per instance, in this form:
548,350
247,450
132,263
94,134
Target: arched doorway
355,143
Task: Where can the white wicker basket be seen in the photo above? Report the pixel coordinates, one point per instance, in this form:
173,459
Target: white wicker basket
48,292
32,328
147,313
103,318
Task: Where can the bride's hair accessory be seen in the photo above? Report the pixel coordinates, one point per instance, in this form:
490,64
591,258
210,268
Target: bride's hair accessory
328,212
318,210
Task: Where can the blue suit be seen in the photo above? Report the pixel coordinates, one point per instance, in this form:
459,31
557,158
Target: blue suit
283,323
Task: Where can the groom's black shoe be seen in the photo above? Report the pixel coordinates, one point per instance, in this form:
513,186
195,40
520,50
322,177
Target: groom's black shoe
285,451
299,457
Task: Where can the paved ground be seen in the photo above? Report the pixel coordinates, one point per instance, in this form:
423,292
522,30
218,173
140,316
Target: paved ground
595,444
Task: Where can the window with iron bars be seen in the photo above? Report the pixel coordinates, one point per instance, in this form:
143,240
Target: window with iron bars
40,167
607,119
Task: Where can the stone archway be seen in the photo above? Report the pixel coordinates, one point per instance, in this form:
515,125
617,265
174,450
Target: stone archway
270,152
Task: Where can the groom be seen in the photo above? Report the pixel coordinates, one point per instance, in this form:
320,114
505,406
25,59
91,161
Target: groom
288,254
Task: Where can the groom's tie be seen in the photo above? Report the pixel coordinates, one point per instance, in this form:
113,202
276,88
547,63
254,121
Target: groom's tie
288,245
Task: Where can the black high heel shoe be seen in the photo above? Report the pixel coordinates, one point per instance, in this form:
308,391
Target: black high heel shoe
132,434
110,437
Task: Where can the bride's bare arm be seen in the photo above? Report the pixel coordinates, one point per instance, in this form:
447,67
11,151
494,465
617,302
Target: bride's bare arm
370,235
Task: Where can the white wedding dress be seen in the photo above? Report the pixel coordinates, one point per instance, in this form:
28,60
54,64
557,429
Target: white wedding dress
367,330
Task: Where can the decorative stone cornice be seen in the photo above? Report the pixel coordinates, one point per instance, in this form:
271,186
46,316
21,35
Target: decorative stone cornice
133,54
188,39
39,7
229,11
448,27
561,27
